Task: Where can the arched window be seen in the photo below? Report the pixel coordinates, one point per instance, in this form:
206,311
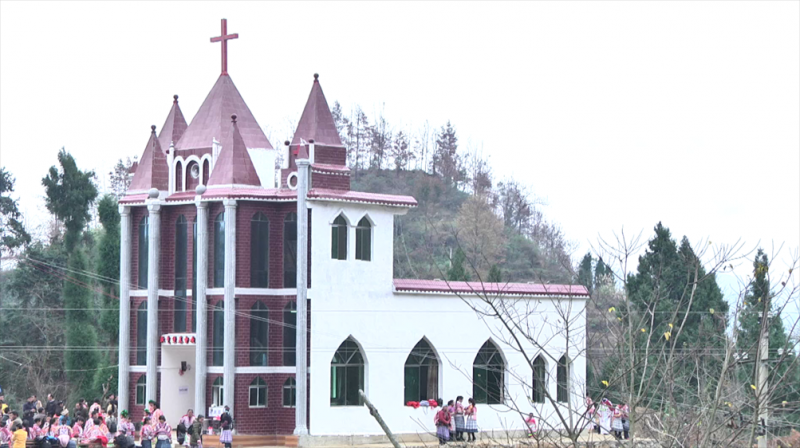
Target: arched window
562,380
178,176
421,373
339,238
181,235
205,172
289,333
259,251
290,251
219,335
144,244
364,240
194,274
141,390
259,330
141,334
539,379
258,393
289,393
219,251
347,374
488,372
217,391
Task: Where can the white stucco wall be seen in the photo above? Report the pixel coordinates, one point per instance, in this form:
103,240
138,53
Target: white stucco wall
355,298
177,391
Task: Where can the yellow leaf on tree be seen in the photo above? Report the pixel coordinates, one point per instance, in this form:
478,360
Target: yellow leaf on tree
612,309
670,325
711,310
667,335
644,331
753,386
605,383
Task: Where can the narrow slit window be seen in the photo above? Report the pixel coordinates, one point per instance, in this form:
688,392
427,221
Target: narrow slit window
339,238
364,240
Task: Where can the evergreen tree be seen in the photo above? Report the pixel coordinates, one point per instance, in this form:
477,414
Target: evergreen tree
585,272
457,271
401,152
495,275
446,160
756,299
108,265
602,272
70,193
12,231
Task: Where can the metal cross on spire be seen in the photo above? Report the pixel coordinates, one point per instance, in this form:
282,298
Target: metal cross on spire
224,38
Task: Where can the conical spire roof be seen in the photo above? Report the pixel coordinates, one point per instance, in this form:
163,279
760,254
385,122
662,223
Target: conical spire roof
173,128
317,123
233,166
211,121
152,171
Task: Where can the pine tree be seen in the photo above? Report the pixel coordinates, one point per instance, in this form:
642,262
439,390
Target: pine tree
401,153
108,265
585,272
457,271
446,160
12,231
70,193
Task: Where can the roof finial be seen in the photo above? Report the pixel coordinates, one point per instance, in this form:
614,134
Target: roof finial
316,77
175,99
233,118
153,128
286,143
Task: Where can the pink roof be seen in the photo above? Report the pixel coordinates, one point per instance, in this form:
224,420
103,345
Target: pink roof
173,128
523,289
316,122
233,166
152,171
329,167
133,198
359,196
282,194
212,120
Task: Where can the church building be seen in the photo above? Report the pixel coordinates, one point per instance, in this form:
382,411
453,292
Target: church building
270,290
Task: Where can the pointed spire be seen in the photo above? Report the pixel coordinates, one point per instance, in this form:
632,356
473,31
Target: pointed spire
317,123
211,121
233,166
174,127
152,171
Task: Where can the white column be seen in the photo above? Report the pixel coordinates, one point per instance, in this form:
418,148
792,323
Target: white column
153,332
301,376
229,346
201,332
124,306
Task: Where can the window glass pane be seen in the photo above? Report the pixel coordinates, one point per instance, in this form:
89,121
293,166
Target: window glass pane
179,314
259,251
363,239
561,379
289,393
259,331
253,396
219,251
488,375
194,275
219,335
412,382
289,334
479,380
290,251
144,245
347,374
141,334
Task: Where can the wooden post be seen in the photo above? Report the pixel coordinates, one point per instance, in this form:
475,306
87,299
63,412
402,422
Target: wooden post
374,412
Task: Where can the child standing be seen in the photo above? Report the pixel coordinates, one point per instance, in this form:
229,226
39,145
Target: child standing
471,424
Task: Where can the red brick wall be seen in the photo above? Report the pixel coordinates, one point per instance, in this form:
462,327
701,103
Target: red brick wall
332,181
273,419
330,155
137,411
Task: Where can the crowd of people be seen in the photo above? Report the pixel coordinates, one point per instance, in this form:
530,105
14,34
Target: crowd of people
605,417
98,424
454,420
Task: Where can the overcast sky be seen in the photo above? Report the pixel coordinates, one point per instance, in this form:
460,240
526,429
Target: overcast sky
618,114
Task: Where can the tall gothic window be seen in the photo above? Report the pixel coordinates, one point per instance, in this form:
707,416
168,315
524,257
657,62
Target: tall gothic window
339,238
194,275
144,244
488,372
219,251
289,393
258,393
539,379
219,335
141,390
347,374
178,176
364,240
217,391
141,334
289,334
259,251
421,373
259,331
562,380
181,235
290,251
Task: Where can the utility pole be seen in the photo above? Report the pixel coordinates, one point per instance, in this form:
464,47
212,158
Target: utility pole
762,372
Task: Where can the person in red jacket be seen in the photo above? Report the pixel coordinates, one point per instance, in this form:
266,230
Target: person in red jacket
442,422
